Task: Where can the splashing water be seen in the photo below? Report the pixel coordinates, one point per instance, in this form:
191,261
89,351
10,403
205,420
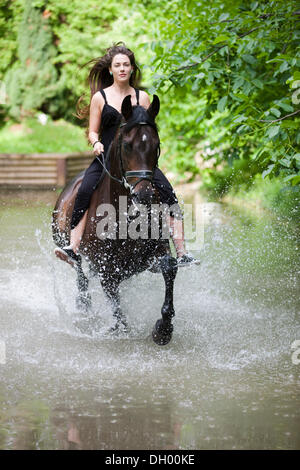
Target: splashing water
226,380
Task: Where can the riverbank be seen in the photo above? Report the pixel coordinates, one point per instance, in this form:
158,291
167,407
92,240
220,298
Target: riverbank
264,197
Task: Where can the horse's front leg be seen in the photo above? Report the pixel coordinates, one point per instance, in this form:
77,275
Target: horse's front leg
111,290
83,299
162,332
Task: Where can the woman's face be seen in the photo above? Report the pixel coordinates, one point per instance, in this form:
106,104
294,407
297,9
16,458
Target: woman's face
121,67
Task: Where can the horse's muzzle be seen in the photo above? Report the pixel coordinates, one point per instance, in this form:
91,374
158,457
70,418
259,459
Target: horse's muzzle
144,194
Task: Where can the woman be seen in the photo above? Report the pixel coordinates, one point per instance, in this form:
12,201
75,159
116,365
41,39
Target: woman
112,78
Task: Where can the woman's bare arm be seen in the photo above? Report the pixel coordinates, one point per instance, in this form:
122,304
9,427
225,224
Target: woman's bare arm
95,117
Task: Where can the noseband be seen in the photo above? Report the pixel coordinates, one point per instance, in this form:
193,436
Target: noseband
140,174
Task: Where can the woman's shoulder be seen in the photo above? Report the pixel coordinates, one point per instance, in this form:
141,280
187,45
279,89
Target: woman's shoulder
144,98
97,97
98,100
143,93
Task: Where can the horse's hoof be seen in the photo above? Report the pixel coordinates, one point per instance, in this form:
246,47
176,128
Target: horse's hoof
83,302
162,335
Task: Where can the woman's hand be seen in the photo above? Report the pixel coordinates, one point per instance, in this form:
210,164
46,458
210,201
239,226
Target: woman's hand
98,148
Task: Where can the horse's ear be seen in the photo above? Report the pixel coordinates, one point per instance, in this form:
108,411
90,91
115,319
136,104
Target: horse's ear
153,109
126,107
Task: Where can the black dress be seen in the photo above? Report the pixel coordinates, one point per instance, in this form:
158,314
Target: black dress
110,121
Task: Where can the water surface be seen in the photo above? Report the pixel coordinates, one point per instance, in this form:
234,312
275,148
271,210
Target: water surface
226,380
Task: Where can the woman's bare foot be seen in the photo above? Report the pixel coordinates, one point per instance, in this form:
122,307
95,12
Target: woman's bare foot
67,254
177,234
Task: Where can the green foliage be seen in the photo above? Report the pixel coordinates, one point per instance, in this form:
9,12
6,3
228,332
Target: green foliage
9,14
227,74
32,80
241,59
239,174
80,31
273,195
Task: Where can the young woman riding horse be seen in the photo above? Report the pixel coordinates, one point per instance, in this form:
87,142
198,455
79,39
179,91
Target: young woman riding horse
113,77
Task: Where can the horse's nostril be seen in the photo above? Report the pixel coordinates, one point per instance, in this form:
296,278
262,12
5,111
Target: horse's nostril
144,196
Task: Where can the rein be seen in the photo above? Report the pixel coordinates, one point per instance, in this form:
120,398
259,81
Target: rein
140,174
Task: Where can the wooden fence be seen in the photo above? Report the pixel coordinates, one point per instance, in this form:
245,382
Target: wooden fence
41,170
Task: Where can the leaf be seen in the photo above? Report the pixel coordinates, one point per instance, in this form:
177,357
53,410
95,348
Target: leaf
223,16
239,119
296,75
290,177
249,59
297,157
276,112
237,83
267,171
200,75
196,84
285,106
272,131
246,88
221,38
258,83
209,78
221,104
285,161
284,66
242,128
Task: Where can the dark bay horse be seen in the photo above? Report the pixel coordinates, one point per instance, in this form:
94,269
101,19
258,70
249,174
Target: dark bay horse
133,157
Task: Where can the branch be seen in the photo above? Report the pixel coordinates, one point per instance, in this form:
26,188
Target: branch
213,52
263,16
280,119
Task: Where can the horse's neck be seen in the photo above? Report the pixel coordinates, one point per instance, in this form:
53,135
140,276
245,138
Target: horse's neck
116,188
109,190
115,164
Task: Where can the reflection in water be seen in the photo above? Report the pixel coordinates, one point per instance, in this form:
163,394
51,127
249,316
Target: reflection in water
225,381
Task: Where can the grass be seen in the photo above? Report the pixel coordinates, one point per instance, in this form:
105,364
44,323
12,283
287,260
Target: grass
32,137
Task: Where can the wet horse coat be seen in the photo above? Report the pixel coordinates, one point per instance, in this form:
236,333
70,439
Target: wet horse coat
133,157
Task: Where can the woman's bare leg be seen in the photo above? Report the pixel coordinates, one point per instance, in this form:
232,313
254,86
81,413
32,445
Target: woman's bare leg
77,232
69,253
177,235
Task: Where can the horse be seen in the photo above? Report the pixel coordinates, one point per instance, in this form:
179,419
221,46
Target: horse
133,157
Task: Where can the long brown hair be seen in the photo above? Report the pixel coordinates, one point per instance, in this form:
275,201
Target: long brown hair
99,77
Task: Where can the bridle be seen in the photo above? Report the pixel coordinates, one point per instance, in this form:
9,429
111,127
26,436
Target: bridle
140,174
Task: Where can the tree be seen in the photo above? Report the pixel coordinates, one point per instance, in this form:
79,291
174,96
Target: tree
32,80
239,61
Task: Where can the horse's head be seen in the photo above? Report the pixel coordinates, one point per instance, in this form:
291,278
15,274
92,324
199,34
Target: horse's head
138,148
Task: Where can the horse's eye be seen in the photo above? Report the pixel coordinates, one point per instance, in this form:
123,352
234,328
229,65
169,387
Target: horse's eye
127,146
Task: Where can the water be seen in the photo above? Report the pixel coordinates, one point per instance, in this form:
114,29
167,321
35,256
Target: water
226,381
